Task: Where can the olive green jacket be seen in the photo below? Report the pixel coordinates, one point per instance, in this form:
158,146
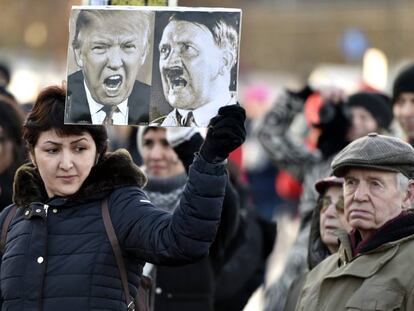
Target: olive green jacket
381,279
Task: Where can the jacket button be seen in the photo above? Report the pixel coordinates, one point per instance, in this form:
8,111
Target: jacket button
55,210
40,259
169,295
26,213
158,290
38,210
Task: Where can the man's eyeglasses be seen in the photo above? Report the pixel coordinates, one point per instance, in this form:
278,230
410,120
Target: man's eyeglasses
326,202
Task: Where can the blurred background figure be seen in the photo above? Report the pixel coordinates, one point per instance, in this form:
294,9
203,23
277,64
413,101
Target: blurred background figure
337,120
12,149
5,76
259,170
403,102
370,112
123,136
244,269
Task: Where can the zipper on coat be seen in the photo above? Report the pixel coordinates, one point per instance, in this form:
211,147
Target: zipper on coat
40,304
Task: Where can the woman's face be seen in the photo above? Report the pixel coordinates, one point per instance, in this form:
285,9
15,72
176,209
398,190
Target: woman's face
64,162
159,158
363,123
332,217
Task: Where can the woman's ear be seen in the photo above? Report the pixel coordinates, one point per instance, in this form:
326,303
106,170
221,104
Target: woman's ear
97,158
32,158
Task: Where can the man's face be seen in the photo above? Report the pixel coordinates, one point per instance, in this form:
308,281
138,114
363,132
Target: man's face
371,199
110,56
404,113
189,62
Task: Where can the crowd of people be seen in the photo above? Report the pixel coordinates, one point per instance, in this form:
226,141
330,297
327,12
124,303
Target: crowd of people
179,199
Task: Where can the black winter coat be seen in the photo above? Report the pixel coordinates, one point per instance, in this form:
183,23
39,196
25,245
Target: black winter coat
58,256
191,287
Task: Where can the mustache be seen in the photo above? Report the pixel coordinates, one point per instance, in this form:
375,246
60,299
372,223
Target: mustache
173,72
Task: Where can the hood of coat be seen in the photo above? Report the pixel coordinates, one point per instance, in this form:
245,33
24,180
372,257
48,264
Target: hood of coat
116,169
317,250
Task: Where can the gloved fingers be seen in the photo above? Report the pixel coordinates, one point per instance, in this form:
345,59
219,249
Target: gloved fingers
227,122
232,110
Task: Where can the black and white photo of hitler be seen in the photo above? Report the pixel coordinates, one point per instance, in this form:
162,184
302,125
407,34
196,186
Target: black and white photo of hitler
110,50
197,66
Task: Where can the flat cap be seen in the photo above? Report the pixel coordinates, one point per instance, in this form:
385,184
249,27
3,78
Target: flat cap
378,152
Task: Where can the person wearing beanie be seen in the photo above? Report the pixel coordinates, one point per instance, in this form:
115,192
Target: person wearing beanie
167,154
370,271
370,112
403,102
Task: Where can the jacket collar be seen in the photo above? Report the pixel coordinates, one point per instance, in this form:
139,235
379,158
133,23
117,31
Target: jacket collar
389,235
116,169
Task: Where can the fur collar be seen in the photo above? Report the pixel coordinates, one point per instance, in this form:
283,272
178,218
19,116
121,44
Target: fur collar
115,170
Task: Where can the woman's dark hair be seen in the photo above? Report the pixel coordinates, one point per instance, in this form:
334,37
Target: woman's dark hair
48,113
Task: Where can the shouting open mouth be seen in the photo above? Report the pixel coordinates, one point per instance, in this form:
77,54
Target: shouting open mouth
113,84
175,79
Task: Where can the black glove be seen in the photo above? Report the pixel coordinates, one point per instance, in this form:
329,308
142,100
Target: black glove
225,133
335,121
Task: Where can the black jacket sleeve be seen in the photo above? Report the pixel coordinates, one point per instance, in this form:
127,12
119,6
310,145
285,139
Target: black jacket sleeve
230,215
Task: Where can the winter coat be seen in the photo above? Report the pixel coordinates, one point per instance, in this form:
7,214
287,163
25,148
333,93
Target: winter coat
377,278
58,256
317,252
191,287
307,166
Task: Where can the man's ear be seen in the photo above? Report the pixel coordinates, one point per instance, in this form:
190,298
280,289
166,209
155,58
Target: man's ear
78,57
228,60
409,196
144,54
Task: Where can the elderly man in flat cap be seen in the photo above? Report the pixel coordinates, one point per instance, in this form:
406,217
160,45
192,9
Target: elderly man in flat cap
373,269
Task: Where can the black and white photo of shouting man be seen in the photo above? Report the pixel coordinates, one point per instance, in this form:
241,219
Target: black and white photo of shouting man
198,56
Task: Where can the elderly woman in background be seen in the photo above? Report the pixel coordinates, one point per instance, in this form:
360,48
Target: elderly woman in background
328,217
57,254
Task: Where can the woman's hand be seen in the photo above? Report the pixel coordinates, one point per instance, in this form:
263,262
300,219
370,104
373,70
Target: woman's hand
226,132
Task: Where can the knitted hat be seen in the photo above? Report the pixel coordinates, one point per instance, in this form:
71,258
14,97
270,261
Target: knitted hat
403,83
377,152
377,104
